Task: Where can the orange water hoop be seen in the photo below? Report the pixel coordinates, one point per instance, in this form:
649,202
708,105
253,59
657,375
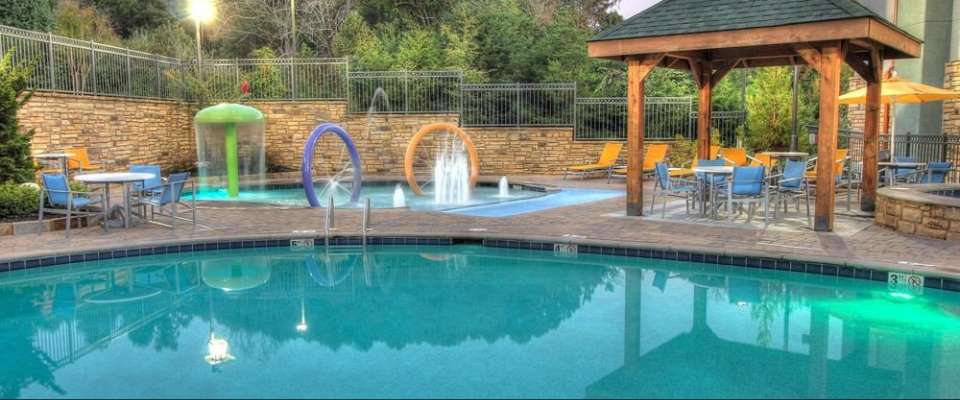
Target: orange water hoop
436,128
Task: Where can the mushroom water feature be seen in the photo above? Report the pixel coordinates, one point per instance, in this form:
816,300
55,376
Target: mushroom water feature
230,144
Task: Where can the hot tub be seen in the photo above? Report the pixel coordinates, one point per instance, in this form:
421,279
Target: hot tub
923,210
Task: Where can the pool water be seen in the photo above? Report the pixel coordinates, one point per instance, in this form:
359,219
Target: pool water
381,196
464,321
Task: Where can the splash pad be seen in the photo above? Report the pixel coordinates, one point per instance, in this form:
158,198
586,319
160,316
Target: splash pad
448,171
306,168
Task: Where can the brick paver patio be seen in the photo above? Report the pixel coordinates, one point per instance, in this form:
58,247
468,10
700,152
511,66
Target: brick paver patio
599,222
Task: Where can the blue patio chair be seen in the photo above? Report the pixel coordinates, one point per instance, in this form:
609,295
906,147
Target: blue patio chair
936,172
749,186
169,196
153,183
905,174
711,183
57,198
792,185
667,187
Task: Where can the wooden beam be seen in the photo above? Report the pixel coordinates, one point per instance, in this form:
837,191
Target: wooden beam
638,68
871,132
860,63
705,109
809,54
723,70
831,61
695,71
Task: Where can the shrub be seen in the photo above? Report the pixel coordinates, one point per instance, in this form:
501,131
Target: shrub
15,162
17,200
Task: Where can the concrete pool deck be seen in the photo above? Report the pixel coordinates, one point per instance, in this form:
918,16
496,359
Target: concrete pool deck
600,222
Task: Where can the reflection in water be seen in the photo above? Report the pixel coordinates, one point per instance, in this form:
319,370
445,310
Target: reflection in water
464,321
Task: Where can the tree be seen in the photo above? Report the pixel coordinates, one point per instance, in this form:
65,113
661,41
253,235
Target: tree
15,162
83,22
35,15
133,15
769,100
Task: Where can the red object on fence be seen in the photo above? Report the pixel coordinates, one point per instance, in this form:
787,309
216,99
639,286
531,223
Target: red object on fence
245,88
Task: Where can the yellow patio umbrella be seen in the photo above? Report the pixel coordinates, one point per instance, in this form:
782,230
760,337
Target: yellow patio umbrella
896,90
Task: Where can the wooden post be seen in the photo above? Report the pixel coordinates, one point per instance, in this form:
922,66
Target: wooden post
705,109
637,70
831,60
871,132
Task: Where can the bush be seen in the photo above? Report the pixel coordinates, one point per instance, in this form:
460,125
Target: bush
17,200
15,162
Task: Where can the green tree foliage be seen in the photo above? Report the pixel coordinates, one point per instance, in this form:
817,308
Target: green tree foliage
266,81
80,21
770,118
15,163
35,15
130,16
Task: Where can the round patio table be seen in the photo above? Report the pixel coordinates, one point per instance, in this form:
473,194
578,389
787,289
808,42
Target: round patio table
116,178
61,157
786,155
895,165
711,172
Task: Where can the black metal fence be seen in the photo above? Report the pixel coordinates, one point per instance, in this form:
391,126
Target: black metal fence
666,118
923,148
405,92
519,104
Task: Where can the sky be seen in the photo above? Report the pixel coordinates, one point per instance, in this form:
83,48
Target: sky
629,8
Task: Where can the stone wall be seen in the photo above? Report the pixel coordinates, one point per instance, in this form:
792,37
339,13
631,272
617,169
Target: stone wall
115,131
951,108
126,131
916,218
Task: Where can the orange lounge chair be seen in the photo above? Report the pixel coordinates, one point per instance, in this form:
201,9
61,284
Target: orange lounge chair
763,160
655,153
607,161
735,156
80,160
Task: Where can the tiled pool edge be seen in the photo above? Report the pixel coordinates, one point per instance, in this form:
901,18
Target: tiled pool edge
824,267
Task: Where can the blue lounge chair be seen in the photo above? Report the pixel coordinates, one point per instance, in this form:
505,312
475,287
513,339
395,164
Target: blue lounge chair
166,200
676,187
57,198
749,186
792,185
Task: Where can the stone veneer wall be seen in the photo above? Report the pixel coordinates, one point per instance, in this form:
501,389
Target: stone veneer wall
934,221
951,108
128,131
122,131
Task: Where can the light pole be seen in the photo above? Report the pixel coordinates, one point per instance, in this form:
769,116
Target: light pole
201,12
293,27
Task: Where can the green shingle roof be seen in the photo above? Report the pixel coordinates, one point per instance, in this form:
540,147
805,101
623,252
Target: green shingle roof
673,17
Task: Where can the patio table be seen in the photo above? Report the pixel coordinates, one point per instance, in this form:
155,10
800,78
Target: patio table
61,157
895,165
709,172
111,178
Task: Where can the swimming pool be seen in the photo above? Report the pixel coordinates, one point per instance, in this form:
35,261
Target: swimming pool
464,321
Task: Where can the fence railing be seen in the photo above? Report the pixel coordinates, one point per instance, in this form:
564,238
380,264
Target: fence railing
924,148
281,78
405,92
665,119
519,104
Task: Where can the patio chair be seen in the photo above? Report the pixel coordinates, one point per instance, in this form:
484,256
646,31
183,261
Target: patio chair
763,160
842,177
791,185
686,172
936,172
167,200
57,198
749,186
671,187
80,160
608,160
736,156
154,183
654,154
904,174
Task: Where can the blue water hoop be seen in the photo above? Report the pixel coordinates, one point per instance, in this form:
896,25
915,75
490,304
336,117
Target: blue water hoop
306,168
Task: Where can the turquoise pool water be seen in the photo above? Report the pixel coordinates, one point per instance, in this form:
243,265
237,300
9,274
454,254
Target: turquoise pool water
464,321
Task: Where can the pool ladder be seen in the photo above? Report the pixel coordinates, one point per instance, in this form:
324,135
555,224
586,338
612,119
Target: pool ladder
329,224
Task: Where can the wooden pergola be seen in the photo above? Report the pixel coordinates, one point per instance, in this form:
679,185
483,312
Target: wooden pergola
710,38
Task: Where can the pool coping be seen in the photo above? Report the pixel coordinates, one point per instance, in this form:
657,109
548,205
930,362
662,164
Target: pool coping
826,266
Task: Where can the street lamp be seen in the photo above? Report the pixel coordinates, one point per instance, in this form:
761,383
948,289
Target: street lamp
201,12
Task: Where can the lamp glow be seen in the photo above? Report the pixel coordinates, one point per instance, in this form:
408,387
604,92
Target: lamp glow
218,351
202,11
302,327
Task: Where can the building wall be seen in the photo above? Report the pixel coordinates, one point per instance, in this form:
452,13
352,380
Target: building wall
931,21
118,132
951,108
115,131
